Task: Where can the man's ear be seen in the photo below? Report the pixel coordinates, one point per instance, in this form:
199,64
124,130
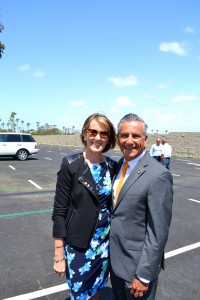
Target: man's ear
145,139
117,138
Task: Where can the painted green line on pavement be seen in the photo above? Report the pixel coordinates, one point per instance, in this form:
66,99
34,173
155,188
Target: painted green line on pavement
24,187
32,173
25,213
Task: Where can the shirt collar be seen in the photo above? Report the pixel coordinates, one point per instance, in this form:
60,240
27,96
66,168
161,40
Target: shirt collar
132,163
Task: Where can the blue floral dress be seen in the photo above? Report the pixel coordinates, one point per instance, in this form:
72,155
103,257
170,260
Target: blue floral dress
88,269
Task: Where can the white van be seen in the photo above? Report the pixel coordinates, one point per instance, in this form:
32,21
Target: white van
19,145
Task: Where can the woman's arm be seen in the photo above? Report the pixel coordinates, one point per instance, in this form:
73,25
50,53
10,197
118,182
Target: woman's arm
59,258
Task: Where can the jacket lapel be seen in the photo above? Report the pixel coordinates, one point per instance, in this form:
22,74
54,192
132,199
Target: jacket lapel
139,169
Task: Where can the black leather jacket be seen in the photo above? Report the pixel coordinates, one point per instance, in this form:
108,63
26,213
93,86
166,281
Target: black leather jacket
76,205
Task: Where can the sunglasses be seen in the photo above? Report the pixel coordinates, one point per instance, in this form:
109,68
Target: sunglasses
94,132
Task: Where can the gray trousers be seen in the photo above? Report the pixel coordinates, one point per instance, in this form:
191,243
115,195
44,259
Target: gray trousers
121,289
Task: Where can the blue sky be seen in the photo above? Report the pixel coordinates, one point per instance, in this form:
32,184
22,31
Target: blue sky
65,60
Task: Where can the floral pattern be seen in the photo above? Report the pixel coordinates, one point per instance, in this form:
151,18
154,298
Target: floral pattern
88,269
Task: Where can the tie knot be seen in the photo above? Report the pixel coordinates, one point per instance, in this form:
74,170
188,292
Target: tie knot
125,166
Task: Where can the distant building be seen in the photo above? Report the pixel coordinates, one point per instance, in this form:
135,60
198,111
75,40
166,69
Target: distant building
69,130
46,127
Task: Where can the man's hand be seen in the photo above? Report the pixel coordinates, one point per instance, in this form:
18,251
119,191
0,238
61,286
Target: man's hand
138,288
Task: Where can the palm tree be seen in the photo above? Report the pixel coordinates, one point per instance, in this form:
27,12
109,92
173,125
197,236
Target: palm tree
28,124
12,119
8,125
2,124
152,131
17,121
38,125
2,46
157,131
22,124
166,131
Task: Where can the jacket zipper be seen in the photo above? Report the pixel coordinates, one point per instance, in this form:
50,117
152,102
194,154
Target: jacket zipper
99,207
73,212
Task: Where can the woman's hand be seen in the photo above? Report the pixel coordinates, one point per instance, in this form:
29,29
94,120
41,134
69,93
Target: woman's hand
60,266
59,258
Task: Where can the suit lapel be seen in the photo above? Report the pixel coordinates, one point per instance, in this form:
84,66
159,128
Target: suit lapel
138,171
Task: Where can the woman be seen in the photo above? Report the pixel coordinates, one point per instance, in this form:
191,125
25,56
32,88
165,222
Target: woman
81,214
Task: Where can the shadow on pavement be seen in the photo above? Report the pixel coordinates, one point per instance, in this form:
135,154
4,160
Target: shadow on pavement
106,294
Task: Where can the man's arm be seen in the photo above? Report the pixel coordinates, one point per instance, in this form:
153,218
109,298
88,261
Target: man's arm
159,201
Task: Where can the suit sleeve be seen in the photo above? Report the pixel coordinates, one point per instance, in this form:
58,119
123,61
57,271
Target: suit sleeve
61,200
159,214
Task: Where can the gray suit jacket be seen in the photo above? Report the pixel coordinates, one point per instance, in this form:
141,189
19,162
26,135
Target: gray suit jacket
140,221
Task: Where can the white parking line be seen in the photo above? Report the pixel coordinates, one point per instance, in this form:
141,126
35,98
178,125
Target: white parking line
12,167
198,165
35,184
182,250
48,158
182,159
176,175
198,201
64,287
44,292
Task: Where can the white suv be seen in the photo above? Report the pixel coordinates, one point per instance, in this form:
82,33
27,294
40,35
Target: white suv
19,145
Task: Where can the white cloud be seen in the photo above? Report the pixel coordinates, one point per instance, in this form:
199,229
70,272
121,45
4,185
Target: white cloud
39,74
165,117
121,82
77,103
164,85
24,68
123,101
189,29
184,98
147,96
174,47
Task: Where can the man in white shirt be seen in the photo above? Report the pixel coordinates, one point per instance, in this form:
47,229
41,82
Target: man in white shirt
156,150
166,154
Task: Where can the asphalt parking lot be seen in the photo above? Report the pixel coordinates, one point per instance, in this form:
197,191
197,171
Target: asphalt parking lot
26,244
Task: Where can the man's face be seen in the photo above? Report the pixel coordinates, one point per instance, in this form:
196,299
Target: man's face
131,139
158,142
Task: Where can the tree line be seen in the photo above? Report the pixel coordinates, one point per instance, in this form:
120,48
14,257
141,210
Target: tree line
14,124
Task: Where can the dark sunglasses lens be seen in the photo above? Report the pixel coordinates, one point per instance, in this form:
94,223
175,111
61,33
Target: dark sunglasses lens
104,134
92,132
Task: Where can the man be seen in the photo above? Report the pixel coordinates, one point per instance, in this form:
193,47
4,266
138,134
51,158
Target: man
156,150
166,153
140,217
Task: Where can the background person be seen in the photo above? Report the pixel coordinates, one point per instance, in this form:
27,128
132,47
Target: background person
166,153
156,150
81,212
140,217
